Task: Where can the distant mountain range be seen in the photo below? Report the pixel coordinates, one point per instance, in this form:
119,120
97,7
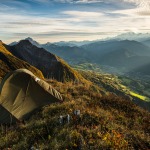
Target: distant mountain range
125,55
132,36
72,54
140,37
70,43
61,43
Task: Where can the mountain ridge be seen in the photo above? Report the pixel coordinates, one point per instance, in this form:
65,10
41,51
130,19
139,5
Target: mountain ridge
51,65
8,62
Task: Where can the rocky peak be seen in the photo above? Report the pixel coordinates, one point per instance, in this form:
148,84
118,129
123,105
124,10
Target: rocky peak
50,65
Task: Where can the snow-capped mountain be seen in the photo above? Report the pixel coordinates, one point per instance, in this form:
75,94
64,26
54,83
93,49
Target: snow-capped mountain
133,36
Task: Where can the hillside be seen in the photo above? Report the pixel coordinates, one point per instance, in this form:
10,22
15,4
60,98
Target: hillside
135,83
9,62
105,122
50,65
121,86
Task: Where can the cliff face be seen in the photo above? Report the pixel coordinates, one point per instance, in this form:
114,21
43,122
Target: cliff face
50,65
8,62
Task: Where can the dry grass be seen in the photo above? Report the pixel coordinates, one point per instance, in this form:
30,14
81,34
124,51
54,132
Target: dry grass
106,122
8,63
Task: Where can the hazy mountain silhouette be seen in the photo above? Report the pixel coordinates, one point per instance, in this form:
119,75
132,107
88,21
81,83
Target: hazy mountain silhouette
125,55
146,42
70,54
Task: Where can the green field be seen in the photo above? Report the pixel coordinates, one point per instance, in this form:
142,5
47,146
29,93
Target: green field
144,98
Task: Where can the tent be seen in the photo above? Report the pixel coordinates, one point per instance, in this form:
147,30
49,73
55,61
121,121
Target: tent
6,117
21,93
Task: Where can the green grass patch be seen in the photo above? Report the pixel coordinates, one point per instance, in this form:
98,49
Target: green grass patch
144,98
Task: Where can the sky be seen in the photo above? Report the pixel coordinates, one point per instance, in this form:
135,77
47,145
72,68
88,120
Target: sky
71,20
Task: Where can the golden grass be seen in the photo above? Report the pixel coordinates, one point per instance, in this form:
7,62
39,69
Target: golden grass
106,122
8,63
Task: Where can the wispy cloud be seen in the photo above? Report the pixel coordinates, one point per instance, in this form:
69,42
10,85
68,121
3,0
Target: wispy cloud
72,19
83,14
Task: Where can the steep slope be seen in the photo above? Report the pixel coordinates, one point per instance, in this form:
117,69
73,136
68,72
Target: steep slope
8,62
51,65
115,85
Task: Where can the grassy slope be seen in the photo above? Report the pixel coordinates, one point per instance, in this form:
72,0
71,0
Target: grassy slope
69,74
8,63
106,122
138,86
114,84
135,87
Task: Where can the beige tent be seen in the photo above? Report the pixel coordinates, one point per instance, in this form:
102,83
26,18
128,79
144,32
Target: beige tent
21,93
6,117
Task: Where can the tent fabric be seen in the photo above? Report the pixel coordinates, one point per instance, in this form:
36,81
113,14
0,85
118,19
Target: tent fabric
21,93
6,117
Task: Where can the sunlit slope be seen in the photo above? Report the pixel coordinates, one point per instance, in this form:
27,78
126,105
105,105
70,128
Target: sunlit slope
9,62
51,66
116,85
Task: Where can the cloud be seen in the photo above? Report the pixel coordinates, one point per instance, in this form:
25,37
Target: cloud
56,33
83,14
61,36
77,1
72,20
